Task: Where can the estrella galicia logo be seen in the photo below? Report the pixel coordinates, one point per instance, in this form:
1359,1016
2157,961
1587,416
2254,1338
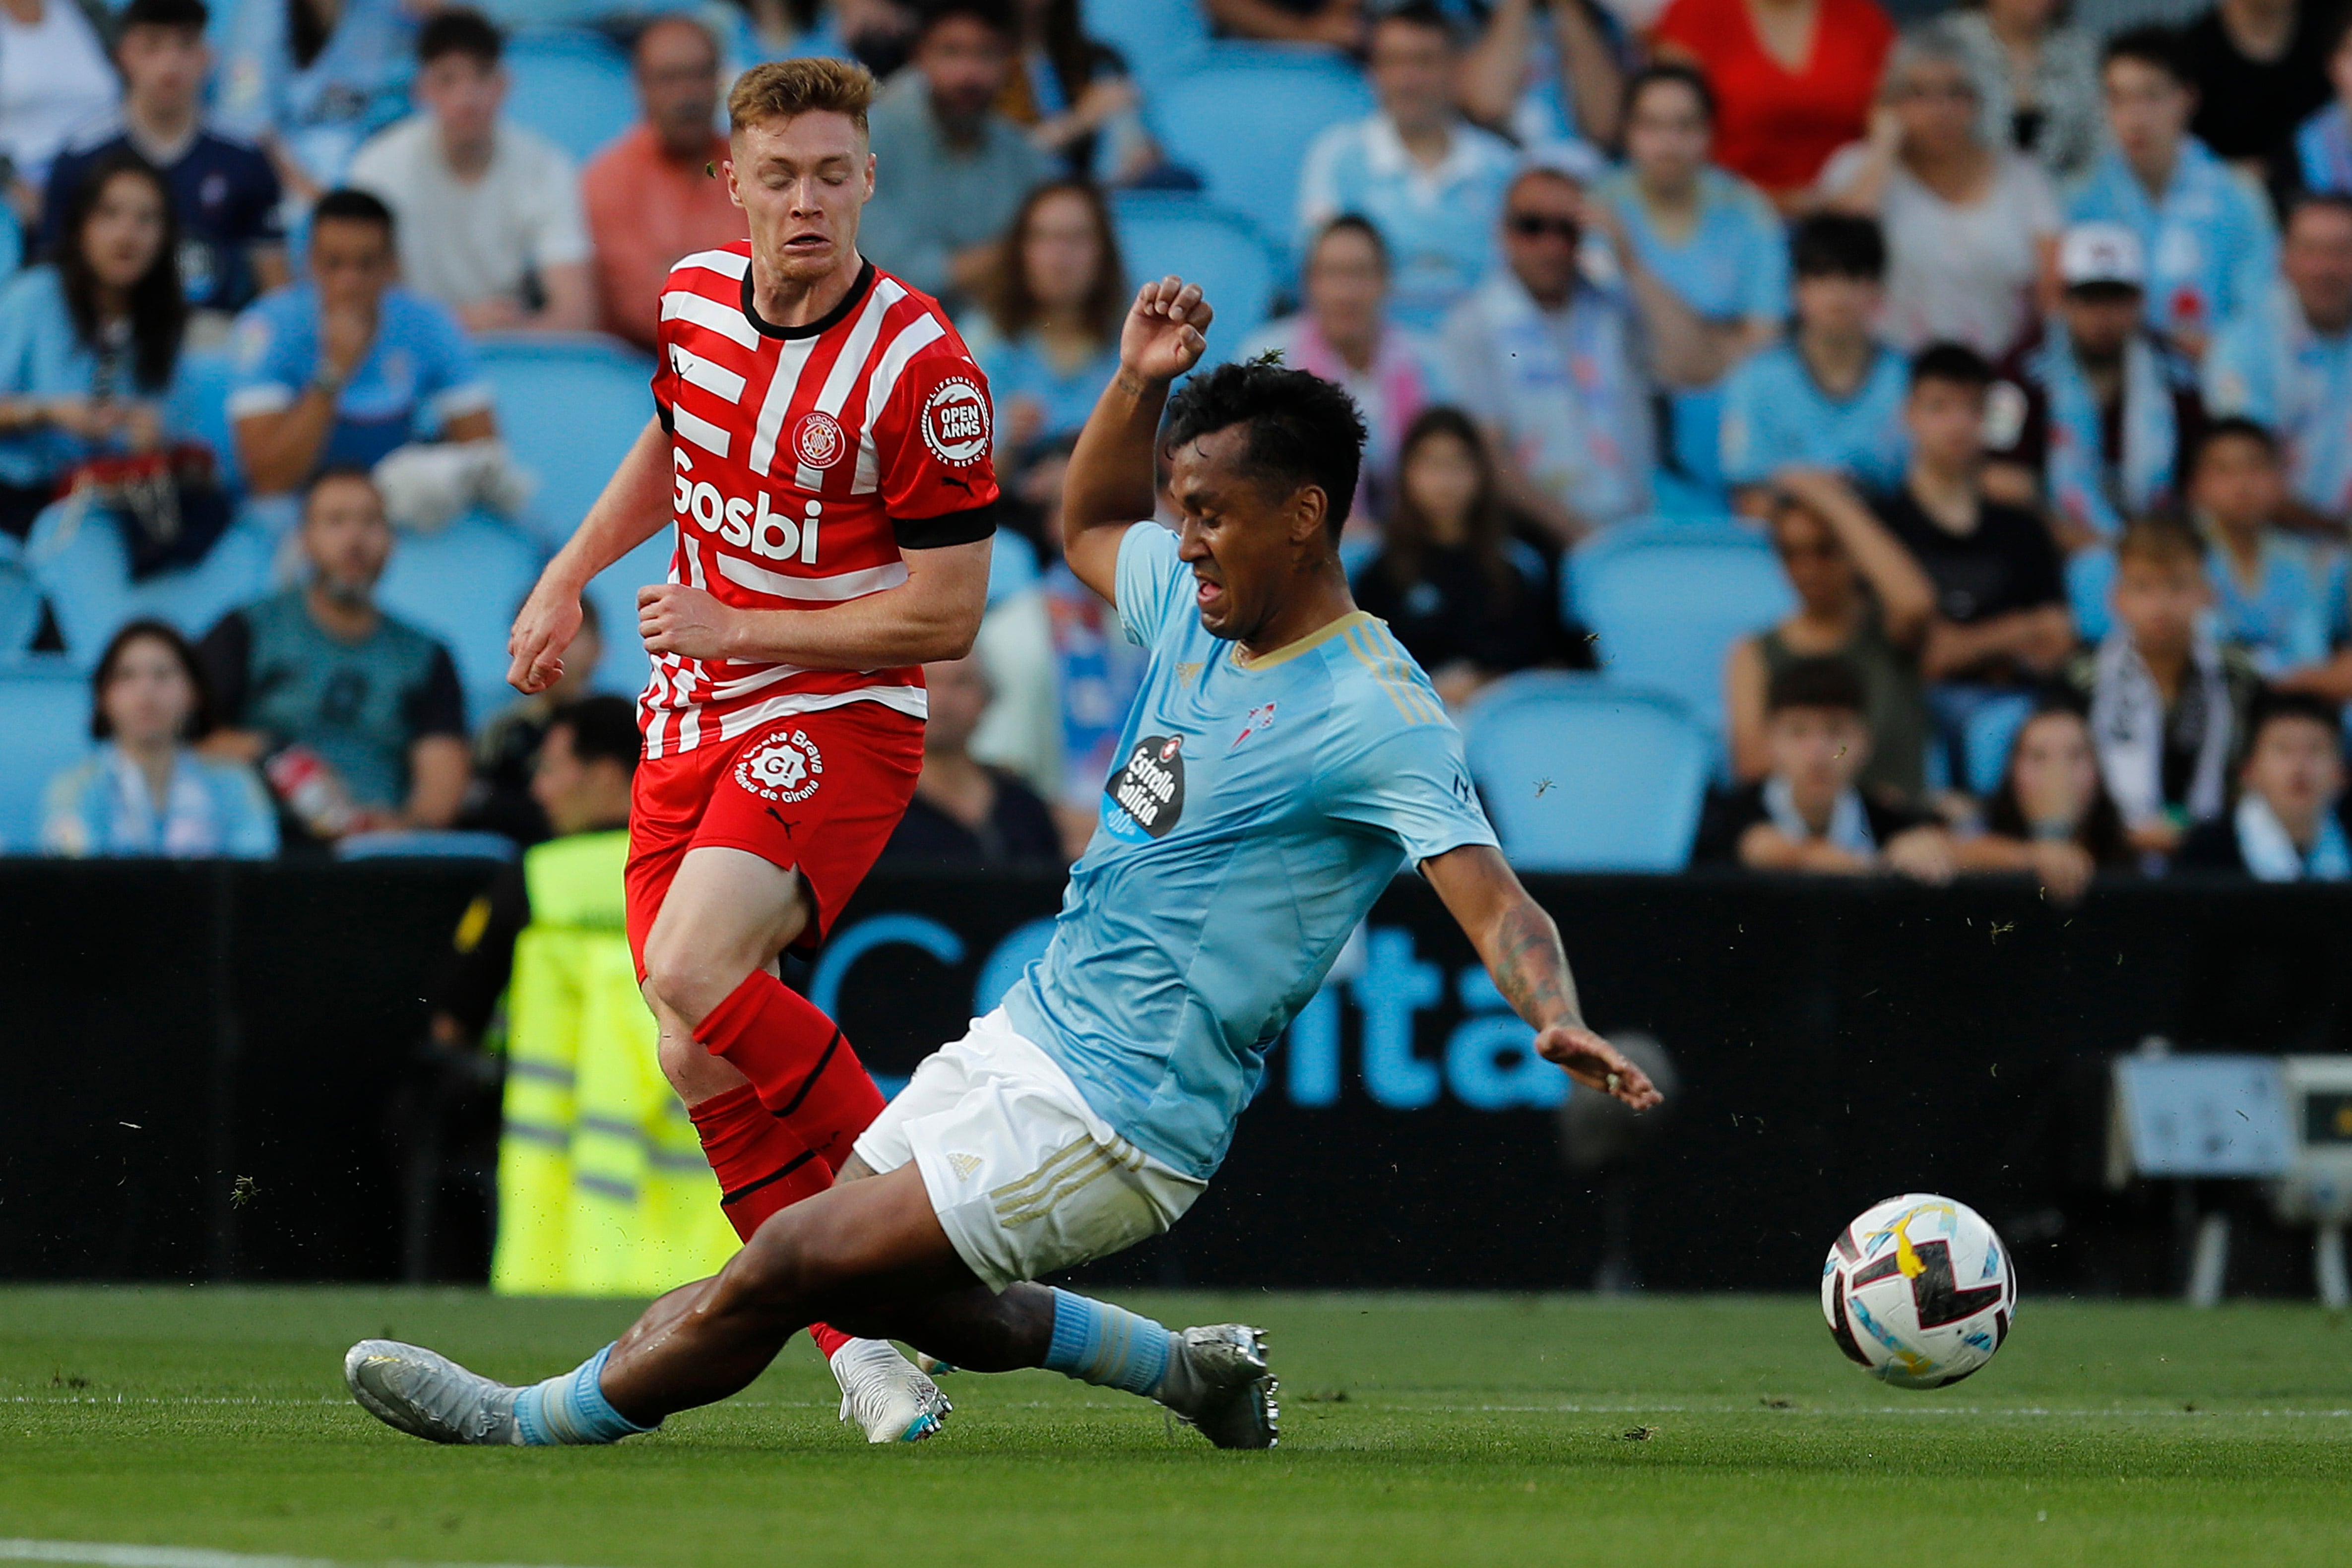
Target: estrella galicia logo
1144,797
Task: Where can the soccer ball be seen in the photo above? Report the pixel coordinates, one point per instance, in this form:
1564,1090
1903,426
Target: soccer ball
1919,1290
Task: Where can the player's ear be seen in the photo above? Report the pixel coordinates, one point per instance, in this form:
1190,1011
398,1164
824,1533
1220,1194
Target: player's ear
727,172
1308,506
869,176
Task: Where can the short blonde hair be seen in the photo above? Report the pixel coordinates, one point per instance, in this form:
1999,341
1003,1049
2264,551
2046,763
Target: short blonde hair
784,90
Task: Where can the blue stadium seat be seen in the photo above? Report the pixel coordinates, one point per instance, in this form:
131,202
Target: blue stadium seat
569,406
1992,730
1583,774
2090,577
1158,39
1669,600
199,405
47,704
1242,117
78,558
435,846
20,603
615,593
1160,232
463,584
572,87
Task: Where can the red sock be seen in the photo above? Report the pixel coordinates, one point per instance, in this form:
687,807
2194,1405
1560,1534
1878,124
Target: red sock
805,1071
761,1168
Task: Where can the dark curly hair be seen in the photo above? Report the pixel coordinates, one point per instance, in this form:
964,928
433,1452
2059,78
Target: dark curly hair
159,311
1303,430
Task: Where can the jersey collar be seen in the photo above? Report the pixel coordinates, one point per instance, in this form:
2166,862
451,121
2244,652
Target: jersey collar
1288,651
830,320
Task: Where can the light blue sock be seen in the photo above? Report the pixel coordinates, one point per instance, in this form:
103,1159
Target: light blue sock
570,1408
1109,1346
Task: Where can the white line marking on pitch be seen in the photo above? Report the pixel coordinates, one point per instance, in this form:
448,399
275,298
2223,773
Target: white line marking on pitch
109,1554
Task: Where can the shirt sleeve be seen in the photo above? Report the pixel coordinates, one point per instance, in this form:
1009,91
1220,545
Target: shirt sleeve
268,374
1461,360
1767,295
560,235
1413,785
482,950
1745,439
938,479
227,654
2041,575
1150,585
2237,378
438,705
451,384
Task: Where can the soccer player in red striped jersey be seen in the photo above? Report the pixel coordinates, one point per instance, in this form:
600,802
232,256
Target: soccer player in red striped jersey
821,447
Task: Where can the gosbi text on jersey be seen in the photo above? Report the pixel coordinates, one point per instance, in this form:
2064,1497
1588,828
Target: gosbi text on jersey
804,460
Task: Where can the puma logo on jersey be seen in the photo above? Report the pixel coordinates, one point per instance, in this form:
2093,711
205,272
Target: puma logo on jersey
749,525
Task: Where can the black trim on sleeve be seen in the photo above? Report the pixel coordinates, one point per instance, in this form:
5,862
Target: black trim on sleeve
968,527
668,420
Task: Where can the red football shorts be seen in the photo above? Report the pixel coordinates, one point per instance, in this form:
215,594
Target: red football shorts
818,793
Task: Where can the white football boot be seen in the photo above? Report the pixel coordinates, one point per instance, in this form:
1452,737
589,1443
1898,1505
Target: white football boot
425,1394
1217,1380
882,1392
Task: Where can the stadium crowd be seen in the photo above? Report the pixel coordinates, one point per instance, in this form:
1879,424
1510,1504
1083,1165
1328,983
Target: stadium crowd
1990,378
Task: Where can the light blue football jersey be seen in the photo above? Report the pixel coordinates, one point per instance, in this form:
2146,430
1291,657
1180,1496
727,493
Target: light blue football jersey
1256,810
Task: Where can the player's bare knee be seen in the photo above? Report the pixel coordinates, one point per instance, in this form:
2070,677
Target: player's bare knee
685,978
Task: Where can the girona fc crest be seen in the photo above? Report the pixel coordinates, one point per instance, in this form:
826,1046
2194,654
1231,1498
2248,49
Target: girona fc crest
783,767
817,441
955,422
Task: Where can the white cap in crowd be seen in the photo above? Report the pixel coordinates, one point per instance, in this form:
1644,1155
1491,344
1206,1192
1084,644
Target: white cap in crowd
2102,252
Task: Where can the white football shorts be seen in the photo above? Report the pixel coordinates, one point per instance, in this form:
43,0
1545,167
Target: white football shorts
1025,1176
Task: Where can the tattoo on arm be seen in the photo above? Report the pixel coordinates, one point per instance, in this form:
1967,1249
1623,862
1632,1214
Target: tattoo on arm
1529,968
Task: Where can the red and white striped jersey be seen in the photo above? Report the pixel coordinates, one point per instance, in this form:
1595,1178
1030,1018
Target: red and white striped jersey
805,459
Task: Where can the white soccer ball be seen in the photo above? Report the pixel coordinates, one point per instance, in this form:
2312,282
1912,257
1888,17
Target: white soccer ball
1919,1290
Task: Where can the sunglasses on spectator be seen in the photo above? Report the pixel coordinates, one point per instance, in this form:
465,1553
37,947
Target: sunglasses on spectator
1535,225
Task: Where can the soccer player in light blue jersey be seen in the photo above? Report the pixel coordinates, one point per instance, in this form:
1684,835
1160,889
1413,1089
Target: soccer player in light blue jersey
1284,759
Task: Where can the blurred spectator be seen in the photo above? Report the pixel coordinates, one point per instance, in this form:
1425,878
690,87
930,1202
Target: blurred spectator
1075,96
488,211
89,347
2037,81
658,193
1344,334
2273,595
359,715
1861,597
2167,701
1707,234
2052,816
2206,234
2289,822
2260,68
2320,156
1545,70
1831,396
1806,813
1794,79
875,32
1971,228
2090,422
224,193
1554,362
1429,180
957,170
145,792
579,782
1470,603
2002,620
501,797
2286,360
1049,339
311,79
54,78
341,369
1339,23
964,812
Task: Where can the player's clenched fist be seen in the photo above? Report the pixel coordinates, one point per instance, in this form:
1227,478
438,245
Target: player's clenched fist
691,622
1166,330
550,619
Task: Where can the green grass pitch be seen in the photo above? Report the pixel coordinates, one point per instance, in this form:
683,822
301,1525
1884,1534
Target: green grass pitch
1416,1429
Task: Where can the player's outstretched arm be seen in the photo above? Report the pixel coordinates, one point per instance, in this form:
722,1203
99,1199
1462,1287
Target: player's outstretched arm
633,507
1113,478
934,614
1521,949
